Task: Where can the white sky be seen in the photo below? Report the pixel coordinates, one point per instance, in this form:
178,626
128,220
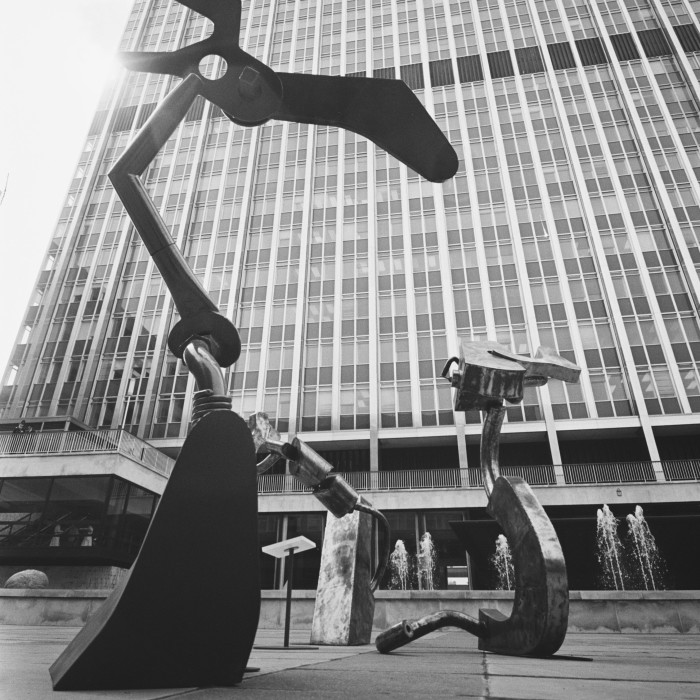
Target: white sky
55,57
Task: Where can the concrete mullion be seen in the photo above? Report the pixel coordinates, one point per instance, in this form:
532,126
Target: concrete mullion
443,245
526,296
603,270
554,241
299,341
650,162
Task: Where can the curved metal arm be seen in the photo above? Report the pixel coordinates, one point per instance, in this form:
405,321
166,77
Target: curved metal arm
188,293
199,314
489,446
404,632
267,463
204,367
384,542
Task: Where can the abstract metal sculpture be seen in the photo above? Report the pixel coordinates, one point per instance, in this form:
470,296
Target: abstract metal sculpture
250,93
344,609
187,612
489,374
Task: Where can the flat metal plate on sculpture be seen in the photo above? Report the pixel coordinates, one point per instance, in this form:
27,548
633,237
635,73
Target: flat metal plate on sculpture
187,612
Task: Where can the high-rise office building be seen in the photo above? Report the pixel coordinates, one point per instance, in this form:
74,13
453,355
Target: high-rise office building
573,223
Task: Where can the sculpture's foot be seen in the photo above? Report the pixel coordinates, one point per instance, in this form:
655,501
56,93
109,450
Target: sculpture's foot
187,612
404,632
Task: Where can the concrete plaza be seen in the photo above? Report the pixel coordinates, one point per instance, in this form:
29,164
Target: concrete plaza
443,665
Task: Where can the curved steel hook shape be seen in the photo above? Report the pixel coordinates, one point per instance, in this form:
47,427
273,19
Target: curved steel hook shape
537,624
489,447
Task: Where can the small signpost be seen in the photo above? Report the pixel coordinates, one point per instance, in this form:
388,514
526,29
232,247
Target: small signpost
280,550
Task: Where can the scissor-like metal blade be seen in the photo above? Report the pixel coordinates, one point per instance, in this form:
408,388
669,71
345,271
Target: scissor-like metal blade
226,15
168,62
384,111
223,41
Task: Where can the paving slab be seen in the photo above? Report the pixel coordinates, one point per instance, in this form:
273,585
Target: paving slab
445,664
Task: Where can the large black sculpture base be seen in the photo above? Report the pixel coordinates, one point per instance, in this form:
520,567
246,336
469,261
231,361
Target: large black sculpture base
187,613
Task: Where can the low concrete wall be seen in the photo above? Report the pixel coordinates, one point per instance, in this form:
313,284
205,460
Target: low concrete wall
590,611
73,577
49,606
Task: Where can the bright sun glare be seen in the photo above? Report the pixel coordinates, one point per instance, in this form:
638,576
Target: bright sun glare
63,54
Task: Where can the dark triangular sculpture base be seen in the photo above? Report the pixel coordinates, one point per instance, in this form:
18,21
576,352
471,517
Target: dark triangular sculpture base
187,612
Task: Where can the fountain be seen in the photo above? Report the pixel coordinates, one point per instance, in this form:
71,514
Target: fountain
503,563
609,550
644,552
427,560
400,568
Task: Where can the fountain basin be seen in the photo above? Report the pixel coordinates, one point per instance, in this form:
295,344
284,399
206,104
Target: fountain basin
676,612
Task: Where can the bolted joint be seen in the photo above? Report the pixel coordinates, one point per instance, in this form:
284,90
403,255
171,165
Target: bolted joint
307,465
250,84
337,495
282,449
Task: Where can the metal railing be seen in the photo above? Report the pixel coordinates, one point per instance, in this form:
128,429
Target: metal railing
53,442
120,441
406,480
682,470
609,473
280,483
535,475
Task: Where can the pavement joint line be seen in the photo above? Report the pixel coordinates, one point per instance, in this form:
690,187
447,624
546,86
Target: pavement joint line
597,678
485,675
444,662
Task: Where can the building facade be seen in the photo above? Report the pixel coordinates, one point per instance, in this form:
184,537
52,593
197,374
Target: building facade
573,222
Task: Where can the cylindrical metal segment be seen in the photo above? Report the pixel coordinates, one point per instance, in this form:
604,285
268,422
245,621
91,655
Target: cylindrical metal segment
309,467
384,540
490,435
337,495
405,632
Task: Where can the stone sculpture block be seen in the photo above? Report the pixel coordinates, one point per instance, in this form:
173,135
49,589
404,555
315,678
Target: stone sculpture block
344,608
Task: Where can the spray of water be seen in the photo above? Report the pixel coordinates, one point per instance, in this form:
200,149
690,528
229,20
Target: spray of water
399,567
610,550
644,552
426,563
502,561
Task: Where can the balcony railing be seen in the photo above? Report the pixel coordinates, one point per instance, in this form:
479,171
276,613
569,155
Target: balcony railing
682,470
609,473
55,442
535,475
